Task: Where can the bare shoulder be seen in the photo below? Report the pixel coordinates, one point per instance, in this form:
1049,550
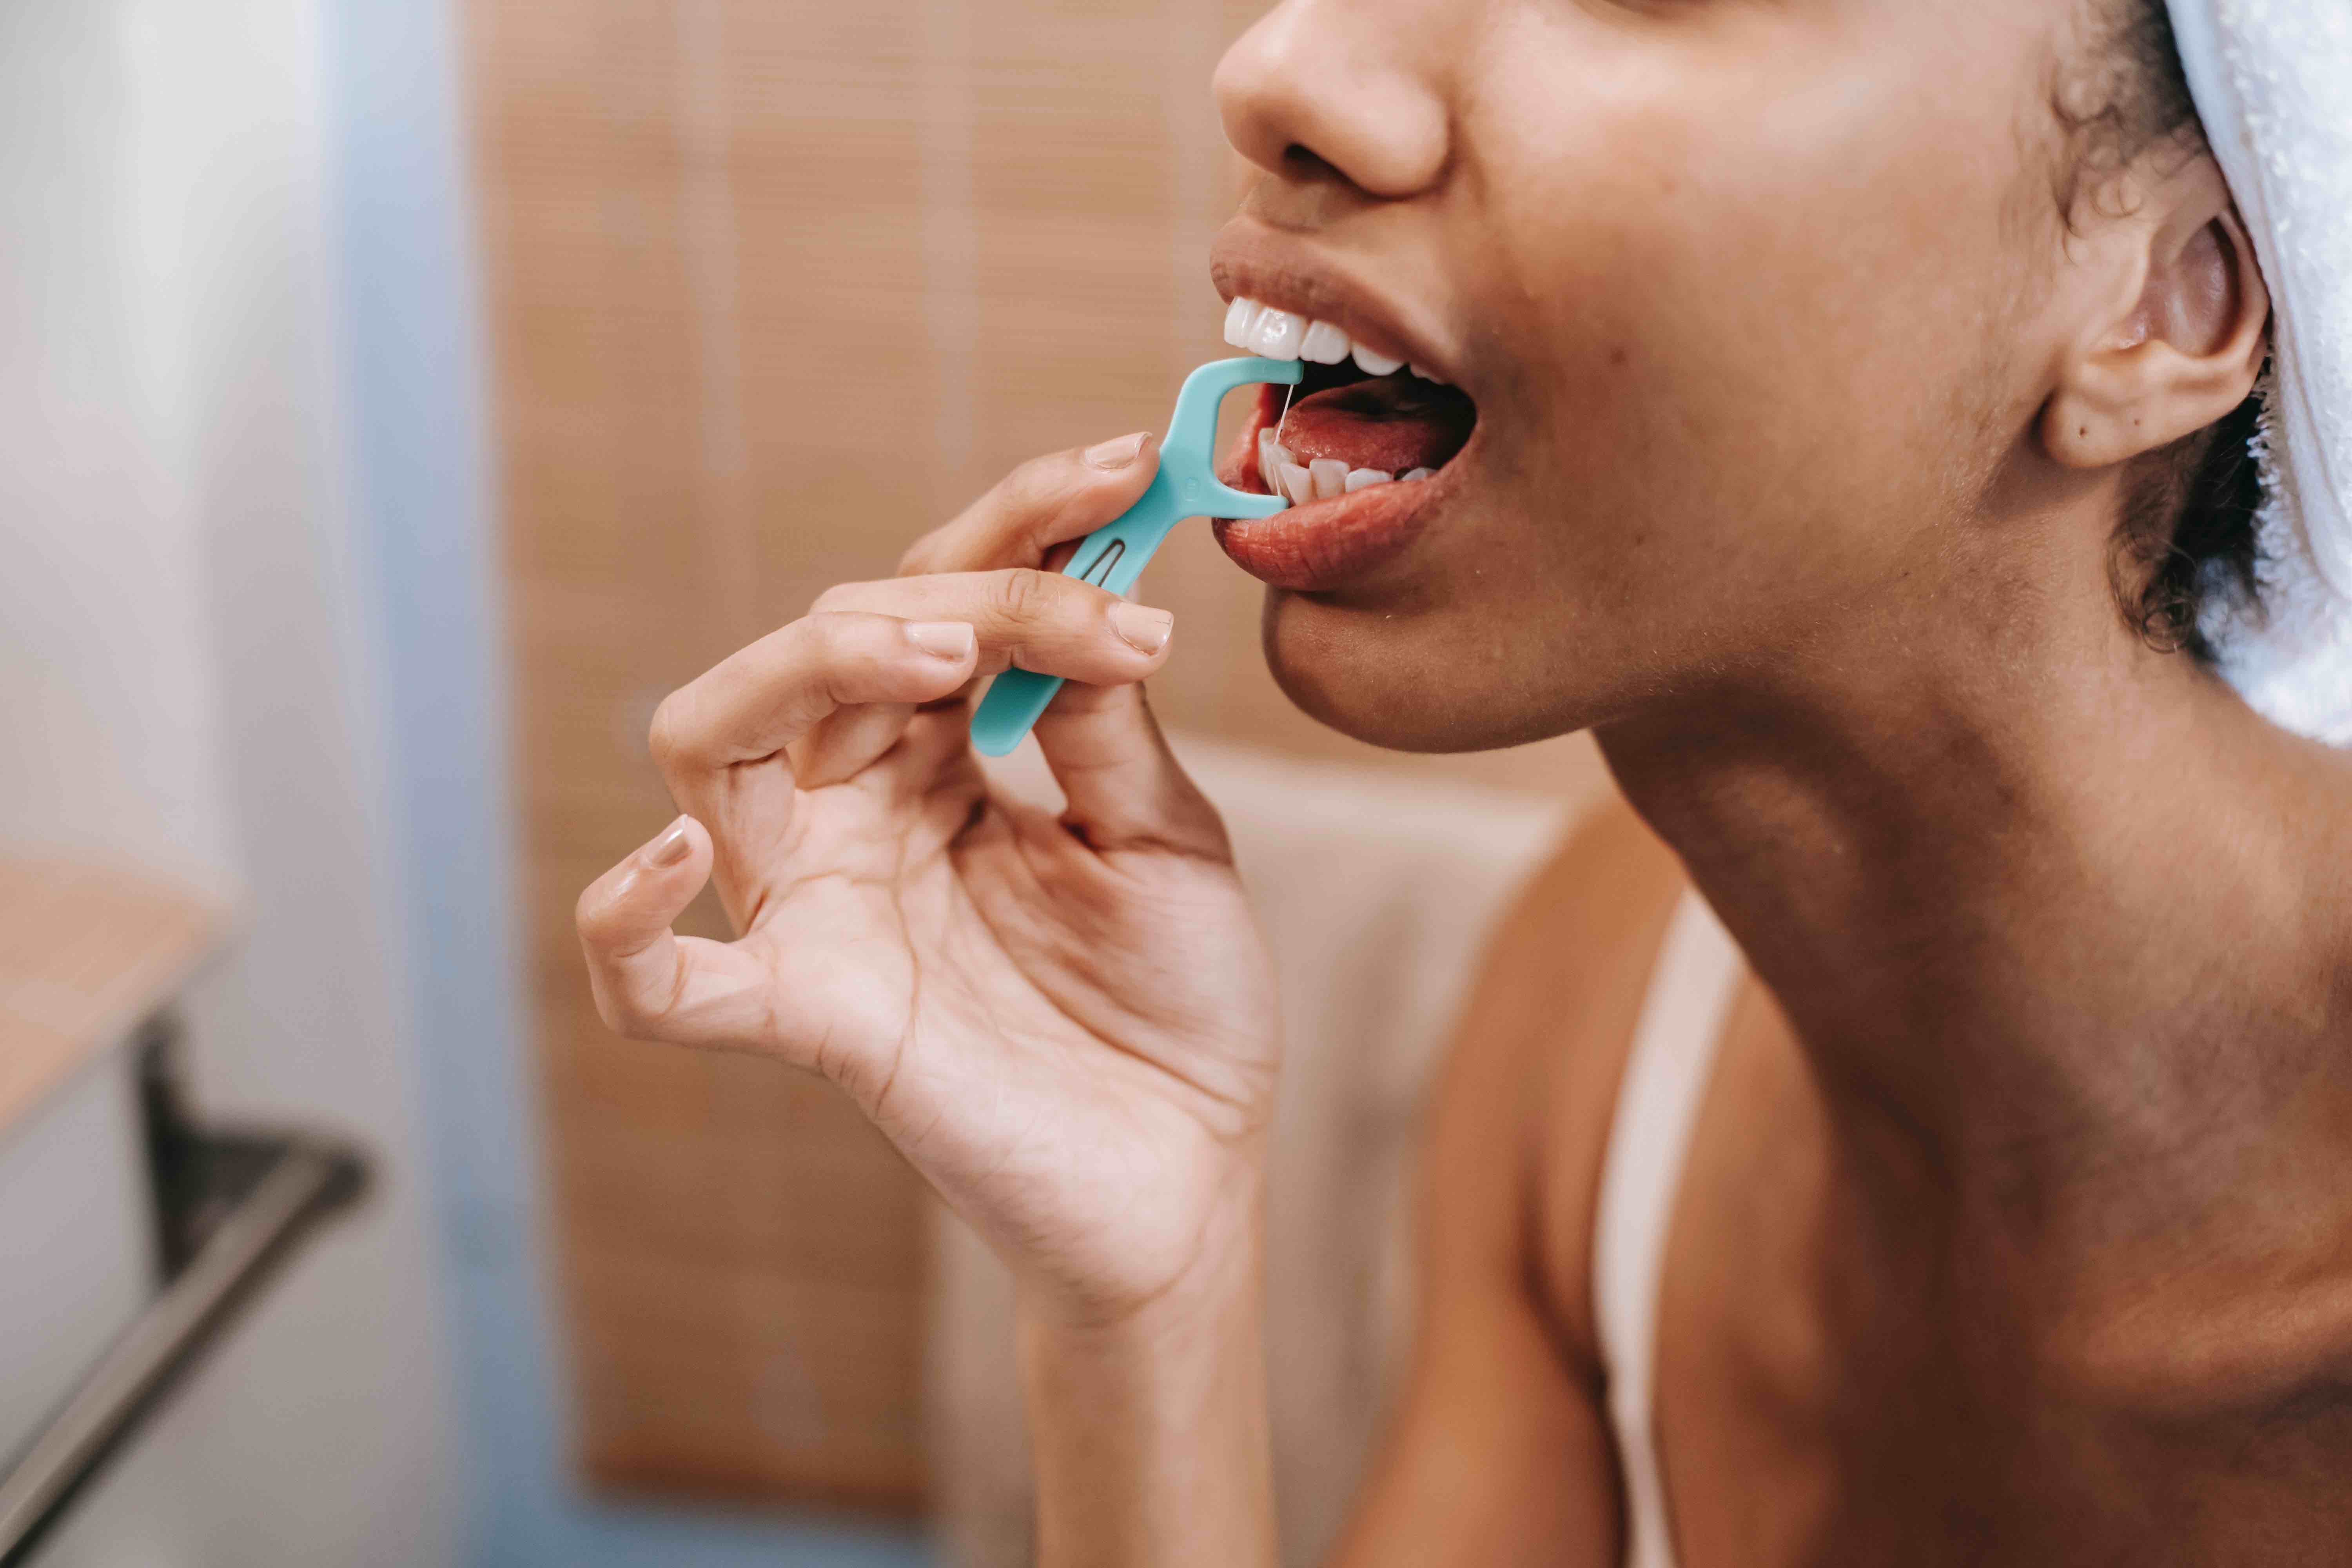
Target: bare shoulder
1497,1452
1522,1111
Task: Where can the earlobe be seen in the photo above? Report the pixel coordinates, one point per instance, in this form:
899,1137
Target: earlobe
2186,348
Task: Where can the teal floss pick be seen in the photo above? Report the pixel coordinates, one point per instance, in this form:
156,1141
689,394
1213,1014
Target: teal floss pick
1114,556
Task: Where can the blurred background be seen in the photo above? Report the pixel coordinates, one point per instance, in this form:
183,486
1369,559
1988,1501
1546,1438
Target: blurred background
396,400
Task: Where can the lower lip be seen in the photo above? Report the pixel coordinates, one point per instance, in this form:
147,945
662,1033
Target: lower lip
1327,544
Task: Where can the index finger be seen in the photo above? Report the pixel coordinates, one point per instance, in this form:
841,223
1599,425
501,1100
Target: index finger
753,704
1045,501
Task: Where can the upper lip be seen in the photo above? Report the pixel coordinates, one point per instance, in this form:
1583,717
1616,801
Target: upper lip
1252,261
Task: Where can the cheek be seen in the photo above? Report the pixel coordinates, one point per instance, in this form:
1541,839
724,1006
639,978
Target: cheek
1752,329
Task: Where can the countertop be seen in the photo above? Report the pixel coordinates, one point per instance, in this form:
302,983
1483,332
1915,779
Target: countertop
86,954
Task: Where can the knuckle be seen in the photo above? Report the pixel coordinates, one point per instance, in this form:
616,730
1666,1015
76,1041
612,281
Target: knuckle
597,915
1023,594
667,737
1040,483
1033,498
588,913
831,601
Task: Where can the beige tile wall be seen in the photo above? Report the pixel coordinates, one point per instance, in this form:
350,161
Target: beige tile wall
774,286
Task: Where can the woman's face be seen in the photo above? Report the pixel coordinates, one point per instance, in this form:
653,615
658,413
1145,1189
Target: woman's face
1740,294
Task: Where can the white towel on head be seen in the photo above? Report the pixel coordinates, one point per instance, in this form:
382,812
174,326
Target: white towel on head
2272,80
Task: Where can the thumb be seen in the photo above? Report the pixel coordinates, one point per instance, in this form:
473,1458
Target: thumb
1124,787
648,983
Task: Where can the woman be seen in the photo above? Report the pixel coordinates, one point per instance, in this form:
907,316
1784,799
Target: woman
1841,406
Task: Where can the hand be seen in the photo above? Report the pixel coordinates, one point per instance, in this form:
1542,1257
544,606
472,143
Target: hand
1068,1025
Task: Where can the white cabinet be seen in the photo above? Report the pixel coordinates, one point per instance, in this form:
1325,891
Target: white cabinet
76,1239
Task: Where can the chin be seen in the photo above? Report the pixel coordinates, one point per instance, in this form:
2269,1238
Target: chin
1405,686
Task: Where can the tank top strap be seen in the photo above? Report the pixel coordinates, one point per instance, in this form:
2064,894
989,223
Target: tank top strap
1667,1068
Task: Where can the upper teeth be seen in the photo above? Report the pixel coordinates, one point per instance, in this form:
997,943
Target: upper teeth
1285,334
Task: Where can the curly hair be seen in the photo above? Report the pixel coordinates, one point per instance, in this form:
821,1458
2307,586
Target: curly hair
2186,533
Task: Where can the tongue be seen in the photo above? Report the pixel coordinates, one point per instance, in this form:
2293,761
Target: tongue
1395,423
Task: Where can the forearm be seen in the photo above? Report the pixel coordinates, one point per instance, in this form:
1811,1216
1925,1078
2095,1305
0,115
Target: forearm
1151,1431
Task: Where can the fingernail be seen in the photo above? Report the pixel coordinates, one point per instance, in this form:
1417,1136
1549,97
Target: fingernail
951,640
1143,629
671,847
1120,453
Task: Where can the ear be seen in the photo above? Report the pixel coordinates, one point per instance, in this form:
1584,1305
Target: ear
2180,337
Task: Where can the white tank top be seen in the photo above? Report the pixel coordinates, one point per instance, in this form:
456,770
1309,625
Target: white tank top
1672,1056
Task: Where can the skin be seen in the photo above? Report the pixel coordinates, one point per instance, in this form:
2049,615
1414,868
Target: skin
2019,1222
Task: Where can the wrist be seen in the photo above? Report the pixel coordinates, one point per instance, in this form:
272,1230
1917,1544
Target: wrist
1148,1424
1220,1279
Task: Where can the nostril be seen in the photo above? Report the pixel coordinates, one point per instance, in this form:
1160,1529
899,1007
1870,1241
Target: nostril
1301,162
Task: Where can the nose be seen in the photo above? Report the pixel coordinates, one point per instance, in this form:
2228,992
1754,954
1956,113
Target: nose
1344,89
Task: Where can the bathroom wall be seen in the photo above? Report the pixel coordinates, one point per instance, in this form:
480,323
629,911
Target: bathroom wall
185,684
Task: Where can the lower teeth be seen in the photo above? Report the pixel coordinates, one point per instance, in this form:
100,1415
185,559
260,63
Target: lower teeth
1319,478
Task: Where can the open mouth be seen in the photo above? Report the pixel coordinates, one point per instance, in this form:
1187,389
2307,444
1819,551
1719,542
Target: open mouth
1359,449
1359,419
